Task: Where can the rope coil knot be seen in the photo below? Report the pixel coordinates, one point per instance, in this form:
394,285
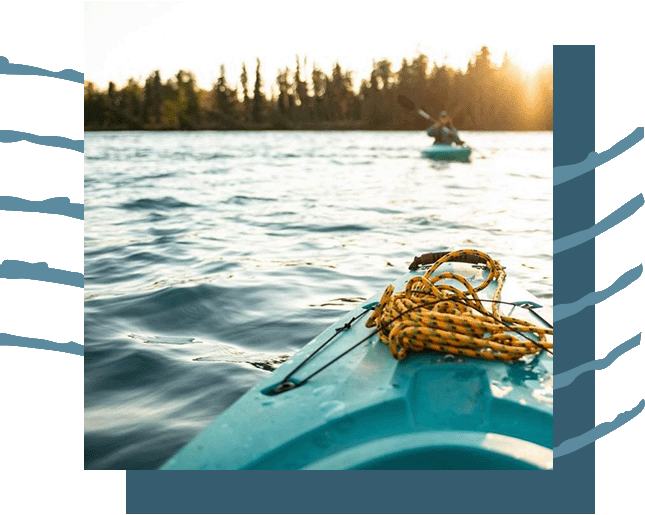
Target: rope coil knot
429,315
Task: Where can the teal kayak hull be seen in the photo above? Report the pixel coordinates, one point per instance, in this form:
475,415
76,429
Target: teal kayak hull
366,410
447,153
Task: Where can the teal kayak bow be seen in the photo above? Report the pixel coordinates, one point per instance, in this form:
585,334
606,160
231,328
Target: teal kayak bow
344,402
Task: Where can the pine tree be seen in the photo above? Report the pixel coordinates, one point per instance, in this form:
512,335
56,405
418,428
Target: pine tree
319,83
244,79
192,100
301,91
157,97
148,99
282,82
222,95
257,108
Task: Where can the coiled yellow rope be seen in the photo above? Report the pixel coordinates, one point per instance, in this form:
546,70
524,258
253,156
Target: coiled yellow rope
438,317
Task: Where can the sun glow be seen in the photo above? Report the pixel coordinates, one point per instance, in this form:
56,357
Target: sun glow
532,60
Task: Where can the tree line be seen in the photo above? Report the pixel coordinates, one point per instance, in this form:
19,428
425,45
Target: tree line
485,96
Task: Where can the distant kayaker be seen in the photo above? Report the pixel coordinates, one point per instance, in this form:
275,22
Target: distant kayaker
443,131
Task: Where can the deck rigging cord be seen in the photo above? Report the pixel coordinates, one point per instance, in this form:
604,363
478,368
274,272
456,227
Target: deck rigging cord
428,316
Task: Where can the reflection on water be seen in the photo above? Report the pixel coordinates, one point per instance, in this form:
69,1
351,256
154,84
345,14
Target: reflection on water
211,257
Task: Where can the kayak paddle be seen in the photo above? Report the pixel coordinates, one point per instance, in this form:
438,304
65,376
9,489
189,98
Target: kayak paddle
409,105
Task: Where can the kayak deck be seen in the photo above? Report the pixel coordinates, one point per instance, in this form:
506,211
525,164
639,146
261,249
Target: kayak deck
366,410
447,153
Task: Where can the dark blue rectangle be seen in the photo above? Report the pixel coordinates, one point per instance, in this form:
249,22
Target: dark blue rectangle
574,267
569,488
574,132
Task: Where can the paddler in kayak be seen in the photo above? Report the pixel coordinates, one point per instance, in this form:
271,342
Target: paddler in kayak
444,132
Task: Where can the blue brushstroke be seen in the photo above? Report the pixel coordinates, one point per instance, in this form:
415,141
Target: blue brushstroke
13,269
578,442
52,206
49,141
622,213
566,378
7,68
566,173
562,311
9,340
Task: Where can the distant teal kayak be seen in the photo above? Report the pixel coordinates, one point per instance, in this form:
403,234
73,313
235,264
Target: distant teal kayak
345,402
447,153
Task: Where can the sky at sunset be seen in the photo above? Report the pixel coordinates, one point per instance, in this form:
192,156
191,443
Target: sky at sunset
126,39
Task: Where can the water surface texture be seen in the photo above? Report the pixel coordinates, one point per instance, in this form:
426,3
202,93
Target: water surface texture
211,257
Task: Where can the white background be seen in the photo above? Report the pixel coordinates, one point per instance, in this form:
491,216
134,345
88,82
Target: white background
41,393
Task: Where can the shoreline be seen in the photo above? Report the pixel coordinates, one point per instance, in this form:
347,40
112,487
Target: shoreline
294,129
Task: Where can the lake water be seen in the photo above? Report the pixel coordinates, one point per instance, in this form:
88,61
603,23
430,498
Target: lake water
210,257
